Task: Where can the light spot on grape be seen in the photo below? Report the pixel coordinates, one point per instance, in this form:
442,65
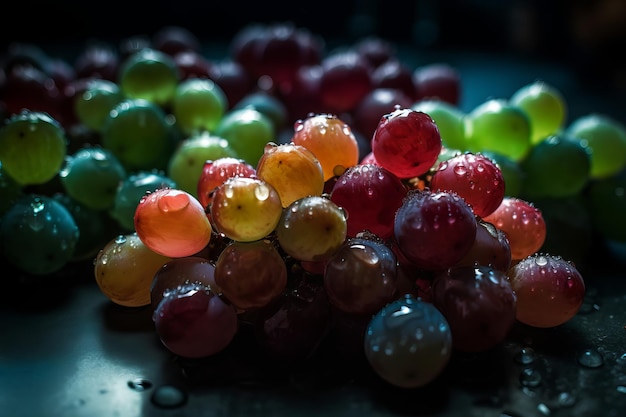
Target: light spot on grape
460,170
262,192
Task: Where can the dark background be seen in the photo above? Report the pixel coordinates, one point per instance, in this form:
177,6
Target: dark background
590,35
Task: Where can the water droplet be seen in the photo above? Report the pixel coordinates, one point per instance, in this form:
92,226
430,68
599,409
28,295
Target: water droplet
525,356
168,396
139,384
590,358
262,192
530,377
120,239
460,170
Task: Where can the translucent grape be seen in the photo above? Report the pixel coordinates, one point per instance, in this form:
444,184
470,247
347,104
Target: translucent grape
198,105
172,223
151,75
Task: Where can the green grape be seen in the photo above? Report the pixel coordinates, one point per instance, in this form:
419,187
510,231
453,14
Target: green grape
92,107
151,75
139,133
545,107
130,192
33,147
91,177
187,162
267,104
198,105
512,173
607,205
38,235
449,120
245,209
247,131
556,167
606,139
497,126
312,229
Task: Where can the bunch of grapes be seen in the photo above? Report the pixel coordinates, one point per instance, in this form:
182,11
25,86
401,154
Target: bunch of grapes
382,201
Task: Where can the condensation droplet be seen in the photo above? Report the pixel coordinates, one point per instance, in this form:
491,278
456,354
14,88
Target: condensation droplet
525,356
590,358
530,377
168,396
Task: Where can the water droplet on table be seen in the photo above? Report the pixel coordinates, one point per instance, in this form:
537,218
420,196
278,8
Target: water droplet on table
139,384
590,358
168,396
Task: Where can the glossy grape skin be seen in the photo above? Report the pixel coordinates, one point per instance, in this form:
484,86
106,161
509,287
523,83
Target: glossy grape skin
172,223
198,105
292,170
434,230
33,147
216,172
406,142
130,191
93,104
247,131
181,271
394,74
98,61
370,195
549,289
138,132
475,178
124,269
251,274
151,75
523,224
408,343
360,278
38,234
558,166
498,126
193,64
478,303
605,138
194,322
546,108
491,248
330,139
449,120
187,161
245,209
311,229
91,176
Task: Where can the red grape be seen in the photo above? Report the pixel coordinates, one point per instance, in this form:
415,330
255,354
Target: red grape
478,303
549,289
434,230
406,142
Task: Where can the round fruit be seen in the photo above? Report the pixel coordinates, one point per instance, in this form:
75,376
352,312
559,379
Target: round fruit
33,147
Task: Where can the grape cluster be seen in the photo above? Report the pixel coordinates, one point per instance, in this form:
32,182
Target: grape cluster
286,188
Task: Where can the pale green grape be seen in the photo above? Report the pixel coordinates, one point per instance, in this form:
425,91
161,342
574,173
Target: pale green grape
92,107
33,147
198,105
151,75
545,106
187,161
247,131
498,126
605,139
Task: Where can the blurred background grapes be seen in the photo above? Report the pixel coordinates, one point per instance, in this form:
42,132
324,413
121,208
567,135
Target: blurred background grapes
590,35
